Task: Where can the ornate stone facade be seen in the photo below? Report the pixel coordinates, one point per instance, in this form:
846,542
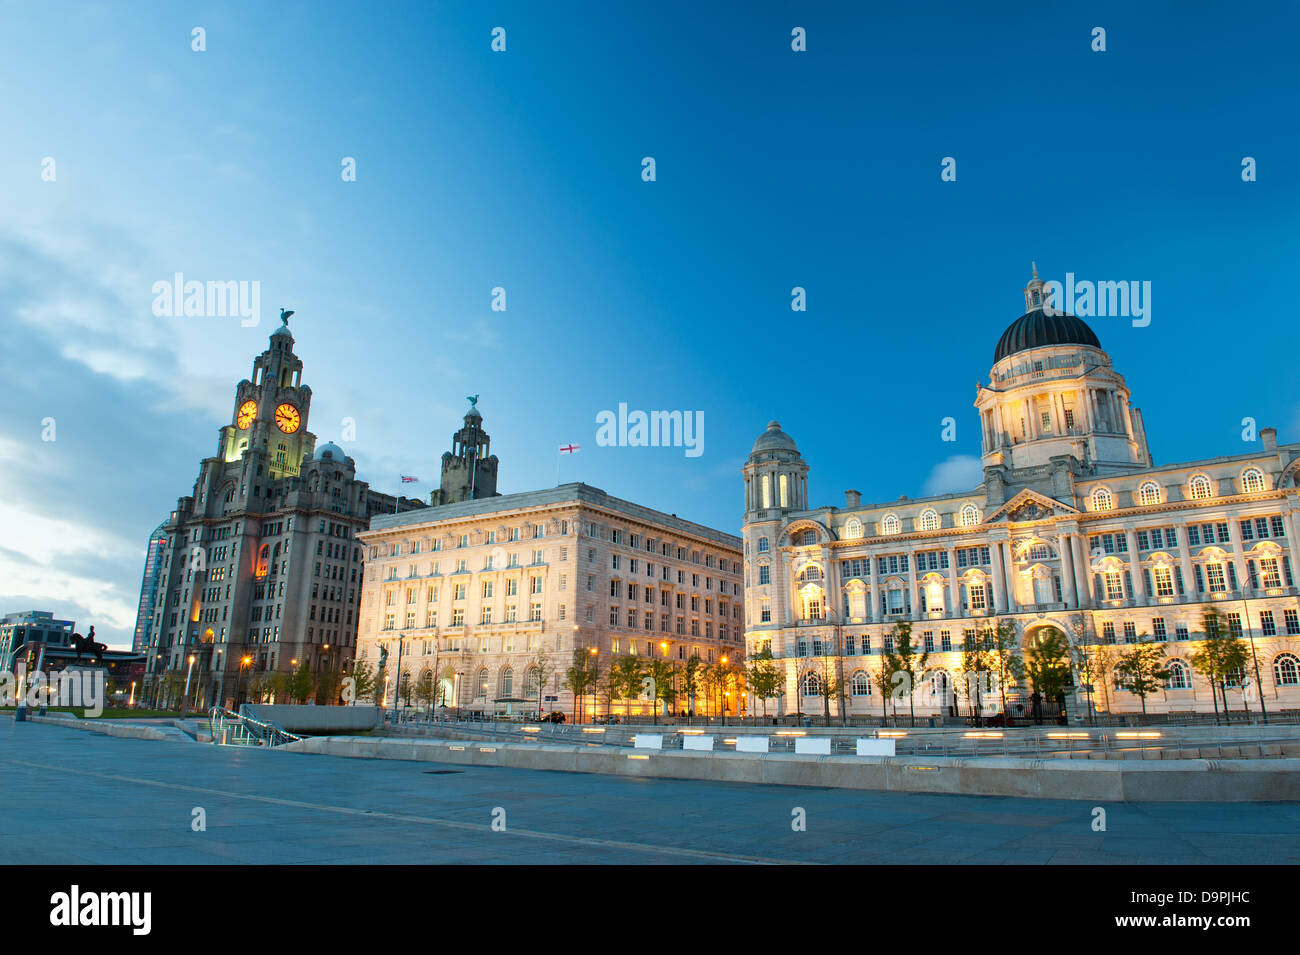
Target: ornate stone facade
1074,528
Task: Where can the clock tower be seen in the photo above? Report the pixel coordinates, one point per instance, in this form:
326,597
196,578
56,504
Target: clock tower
270,412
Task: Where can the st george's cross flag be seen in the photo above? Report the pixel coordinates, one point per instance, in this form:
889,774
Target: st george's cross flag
409,480
570,448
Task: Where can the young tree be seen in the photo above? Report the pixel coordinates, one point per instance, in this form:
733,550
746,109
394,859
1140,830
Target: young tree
1219,657
1004,658
300,683
1141,670
425,687
581,676
379,688
903,659
660,673
327,687
764,678
883,678
973,670
1047,665
363,681
544,670
625,678
692,676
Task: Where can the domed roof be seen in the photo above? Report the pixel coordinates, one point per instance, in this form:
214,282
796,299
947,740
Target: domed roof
331,451
774,439
1037,328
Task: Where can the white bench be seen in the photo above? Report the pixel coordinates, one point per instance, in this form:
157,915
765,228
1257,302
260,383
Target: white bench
703,743
648,741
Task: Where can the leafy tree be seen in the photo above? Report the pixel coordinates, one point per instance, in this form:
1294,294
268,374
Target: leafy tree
363,681
691,679
1047,665
581,676
625,679
829,685
661,672
379,688
425,688
903,659
279,685
1004,657
327,687
883,678
1141,670
1220,656
973,670
764,678
300,683
717,678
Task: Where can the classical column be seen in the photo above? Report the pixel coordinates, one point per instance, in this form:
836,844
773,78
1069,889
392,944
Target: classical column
1238,557
1065,547
952,605
874,577
999,580
1185,561
1082,569
1135,569
911,583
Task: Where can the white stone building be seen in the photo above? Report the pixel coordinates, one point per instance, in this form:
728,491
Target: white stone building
480,591
1074,528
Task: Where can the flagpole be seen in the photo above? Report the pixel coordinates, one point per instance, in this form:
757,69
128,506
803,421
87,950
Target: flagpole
558,455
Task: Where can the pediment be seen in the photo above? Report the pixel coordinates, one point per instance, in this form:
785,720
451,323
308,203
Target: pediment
1028,506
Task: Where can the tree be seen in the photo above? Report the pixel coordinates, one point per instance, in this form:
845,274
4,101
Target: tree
717,679
661,673
1004,658
691,676
883,678
543,669
363,681
903,659
327,687
379,688
625,679
828,685
973,669
1142,670
425,688
300,683
581,676
1221,655
1047,665
278,684
764,678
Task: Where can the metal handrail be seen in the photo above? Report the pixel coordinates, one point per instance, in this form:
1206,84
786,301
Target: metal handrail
247,730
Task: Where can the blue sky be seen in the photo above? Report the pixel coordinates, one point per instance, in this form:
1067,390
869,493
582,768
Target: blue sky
522,170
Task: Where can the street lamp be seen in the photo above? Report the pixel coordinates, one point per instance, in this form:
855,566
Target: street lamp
188,670
1263,710
723,681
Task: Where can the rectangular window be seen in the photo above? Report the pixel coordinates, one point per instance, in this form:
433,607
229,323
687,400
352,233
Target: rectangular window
1292,619
1108,632
1266,624
1158,628
1214,573
1164,582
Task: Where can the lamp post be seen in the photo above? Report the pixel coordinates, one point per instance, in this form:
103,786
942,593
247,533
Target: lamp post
397,684
188,671
1250,634
244,662
722,679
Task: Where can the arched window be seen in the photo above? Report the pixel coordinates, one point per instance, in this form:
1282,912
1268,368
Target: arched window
889,525
1102,499
1286,670
1252,480
929,520
810,573
507,683
811,685
860,685
1149,493
481,684
530,683
970,515
1199,488
853,530
1179,676
785,490
809,538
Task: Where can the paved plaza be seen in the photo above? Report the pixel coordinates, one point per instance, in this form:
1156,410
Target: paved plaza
74,797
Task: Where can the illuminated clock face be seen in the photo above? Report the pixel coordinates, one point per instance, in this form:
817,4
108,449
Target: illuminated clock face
247,411
287,419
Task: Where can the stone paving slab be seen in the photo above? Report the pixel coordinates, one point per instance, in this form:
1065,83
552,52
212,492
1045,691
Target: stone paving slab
73,797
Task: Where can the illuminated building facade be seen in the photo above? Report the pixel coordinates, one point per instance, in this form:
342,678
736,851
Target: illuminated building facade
482,591
1074,529
260,569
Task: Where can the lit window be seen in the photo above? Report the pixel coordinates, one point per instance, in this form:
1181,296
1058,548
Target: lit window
970,515
853,529
929,520
1149,493
889,525
1102,500
1200,487
1252,480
